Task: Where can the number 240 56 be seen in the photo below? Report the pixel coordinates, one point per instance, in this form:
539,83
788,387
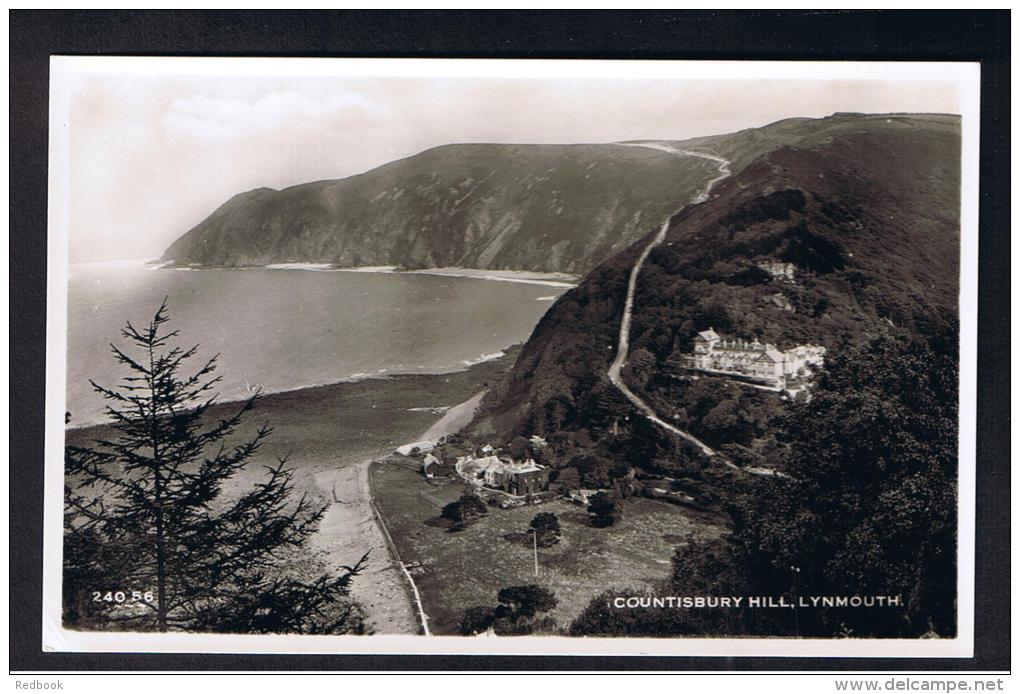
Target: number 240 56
122,596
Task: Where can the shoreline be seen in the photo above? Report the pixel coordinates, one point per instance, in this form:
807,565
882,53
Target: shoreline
465,365
548,279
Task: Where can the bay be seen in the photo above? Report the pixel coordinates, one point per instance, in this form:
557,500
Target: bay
284,329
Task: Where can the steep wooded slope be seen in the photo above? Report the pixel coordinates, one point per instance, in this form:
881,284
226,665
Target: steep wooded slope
867,209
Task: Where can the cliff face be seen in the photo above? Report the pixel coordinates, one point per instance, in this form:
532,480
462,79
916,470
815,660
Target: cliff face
522,207
866,208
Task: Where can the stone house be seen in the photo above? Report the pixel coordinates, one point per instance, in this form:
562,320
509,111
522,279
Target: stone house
518,478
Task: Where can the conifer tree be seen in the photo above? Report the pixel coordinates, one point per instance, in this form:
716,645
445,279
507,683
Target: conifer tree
153,542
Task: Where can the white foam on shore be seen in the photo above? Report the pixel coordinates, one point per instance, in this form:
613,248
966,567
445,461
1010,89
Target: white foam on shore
315,267
483,358
386,269
116,262
520,277
547,279
546,298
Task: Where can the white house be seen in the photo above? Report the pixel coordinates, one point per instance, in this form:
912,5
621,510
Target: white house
753,359
783,271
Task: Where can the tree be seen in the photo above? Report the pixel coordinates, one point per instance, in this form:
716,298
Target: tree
568,479
547,529
603,509
641,365
476,620
866,507
604,617
869,504
464,511
149,527
518,609
609,409
453,512
520,448
593,468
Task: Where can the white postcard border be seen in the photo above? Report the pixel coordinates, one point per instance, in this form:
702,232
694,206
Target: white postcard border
966,78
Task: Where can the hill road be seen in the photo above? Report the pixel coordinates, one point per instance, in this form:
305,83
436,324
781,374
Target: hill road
623,343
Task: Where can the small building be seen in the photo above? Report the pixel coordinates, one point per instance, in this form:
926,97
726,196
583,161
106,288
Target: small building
472,469
783,271
431,466
780,301
582,496
416,447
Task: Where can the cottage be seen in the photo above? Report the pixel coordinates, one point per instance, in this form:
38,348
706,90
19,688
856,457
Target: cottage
431,466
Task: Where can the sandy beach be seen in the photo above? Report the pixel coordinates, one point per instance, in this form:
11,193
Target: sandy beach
351,527
348,530
455,419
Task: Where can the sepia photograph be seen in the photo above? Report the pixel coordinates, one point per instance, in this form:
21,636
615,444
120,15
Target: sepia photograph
509,357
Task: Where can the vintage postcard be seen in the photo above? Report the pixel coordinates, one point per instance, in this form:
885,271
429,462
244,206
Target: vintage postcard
504,357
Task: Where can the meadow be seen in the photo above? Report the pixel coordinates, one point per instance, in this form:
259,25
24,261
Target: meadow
455,571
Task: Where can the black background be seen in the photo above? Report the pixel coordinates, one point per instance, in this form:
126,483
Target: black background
762,35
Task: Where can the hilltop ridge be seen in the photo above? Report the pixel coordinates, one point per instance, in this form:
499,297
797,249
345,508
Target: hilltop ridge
542,208
545,208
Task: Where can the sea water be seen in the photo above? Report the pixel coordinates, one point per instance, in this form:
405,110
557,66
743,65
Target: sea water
282,329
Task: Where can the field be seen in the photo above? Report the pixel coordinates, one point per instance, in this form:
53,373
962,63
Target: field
464,569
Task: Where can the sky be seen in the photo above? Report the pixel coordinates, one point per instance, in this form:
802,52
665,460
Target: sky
152,152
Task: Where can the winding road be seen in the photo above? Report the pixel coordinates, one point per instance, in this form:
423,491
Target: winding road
623,344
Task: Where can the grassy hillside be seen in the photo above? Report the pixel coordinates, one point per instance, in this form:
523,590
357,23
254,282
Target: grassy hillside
746,146
521,207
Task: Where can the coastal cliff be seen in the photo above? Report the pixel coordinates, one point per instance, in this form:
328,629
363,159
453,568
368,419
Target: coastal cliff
544,208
